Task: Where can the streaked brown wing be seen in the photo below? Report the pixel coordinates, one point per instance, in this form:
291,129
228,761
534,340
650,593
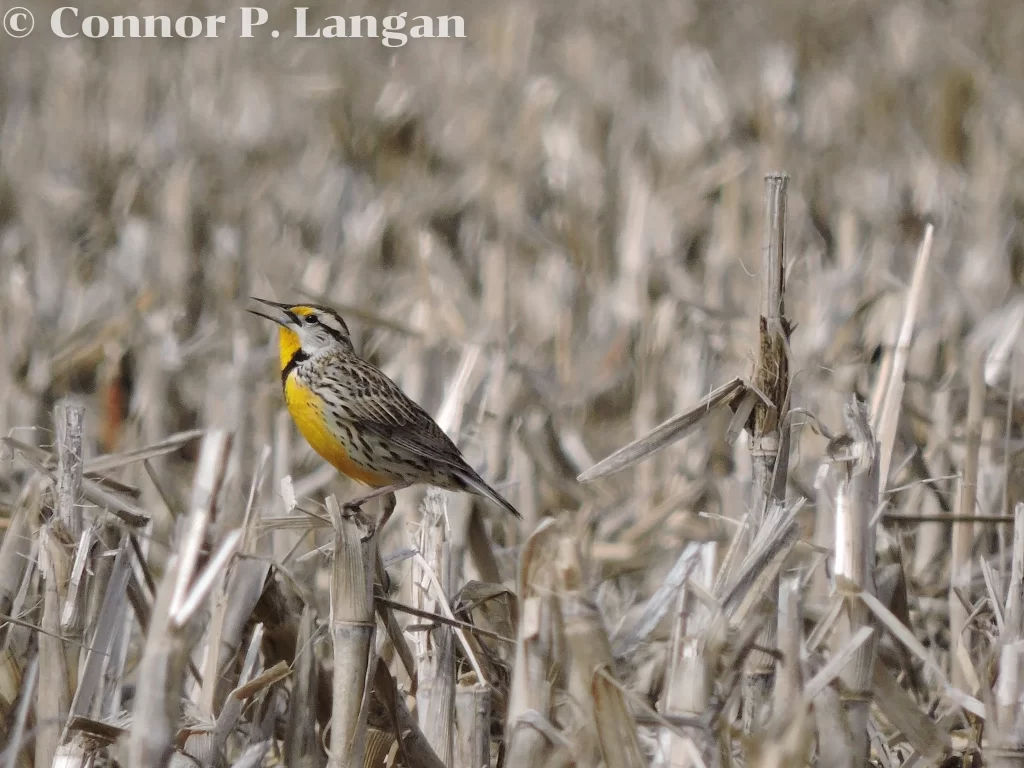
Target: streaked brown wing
437,448
378,405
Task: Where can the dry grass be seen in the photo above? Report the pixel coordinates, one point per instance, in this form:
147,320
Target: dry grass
564,237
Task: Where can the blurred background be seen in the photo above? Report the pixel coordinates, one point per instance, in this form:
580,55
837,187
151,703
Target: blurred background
575,191
558,219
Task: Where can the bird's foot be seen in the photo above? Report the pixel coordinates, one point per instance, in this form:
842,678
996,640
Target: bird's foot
376,493
355,506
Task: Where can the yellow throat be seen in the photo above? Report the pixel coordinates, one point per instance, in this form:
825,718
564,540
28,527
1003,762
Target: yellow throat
288,343
288,340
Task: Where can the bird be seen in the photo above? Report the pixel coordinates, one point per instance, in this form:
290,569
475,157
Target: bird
358,419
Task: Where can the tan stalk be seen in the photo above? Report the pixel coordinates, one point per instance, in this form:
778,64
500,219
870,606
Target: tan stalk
769,437
157,710
352,629
435,650
961,563
605,728
538,651
856,502
885,419
473,721
688,671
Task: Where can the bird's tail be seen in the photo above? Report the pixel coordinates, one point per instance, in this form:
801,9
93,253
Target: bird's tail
476,484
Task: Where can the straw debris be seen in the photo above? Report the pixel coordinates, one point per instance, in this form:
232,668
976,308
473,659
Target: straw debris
723,297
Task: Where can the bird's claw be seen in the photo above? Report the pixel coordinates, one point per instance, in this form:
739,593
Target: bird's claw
354,509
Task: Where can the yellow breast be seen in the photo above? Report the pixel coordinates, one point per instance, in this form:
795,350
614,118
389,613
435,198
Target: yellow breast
307,409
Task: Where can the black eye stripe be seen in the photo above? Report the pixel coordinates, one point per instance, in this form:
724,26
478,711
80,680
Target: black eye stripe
325,318
332,333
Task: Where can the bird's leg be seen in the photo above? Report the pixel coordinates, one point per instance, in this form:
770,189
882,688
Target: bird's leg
358,502
355,506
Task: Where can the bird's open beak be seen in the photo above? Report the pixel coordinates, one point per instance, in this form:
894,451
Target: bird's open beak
281,315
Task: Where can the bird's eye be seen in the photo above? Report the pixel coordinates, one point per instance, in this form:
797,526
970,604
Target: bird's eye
312,320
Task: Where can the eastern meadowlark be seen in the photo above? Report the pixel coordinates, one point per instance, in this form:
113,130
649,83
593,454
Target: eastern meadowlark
355,417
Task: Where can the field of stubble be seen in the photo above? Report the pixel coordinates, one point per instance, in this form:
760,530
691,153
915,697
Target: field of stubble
552,234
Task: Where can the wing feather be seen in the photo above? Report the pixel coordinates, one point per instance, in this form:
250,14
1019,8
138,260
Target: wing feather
376,404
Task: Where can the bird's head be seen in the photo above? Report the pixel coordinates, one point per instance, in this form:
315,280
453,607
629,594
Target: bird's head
309,329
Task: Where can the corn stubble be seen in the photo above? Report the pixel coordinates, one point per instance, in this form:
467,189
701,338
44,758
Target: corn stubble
764,428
